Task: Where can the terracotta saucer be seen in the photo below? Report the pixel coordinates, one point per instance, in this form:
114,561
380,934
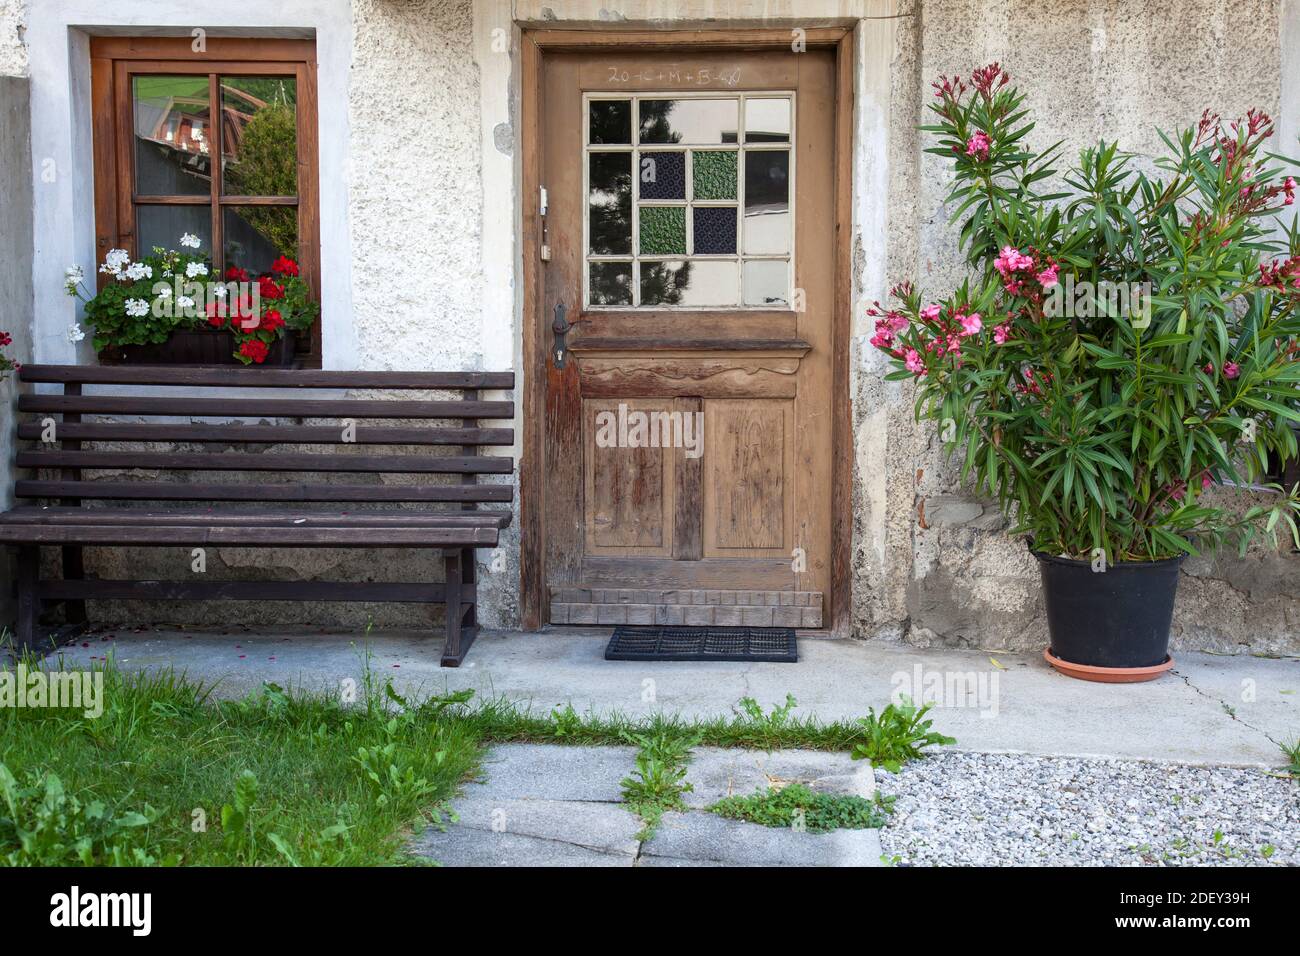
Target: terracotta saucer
1108,675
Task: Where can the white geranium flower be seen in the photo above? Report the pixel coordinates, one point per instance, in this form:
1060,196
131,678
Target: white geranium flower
138,270
193,269
74,333
115,261
184,302
137,308
190,240
164,291
74,274
219,291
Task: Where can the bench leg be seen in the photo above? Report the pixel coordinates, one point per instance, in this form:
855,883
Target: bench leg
459,637
27,571
74,569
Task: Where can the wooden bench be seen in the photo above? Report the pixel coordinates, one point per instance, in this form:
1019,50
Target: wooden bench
288,506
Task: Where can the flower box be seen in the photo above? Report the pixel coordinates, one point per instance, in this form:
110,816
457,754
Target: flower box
198,347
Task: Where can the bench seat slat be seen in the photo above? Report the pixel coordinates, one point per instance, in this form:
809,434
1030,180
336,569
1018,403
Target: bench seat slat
261,377
261,407
240,432
32,515
279,491
235,461
289,536
395,592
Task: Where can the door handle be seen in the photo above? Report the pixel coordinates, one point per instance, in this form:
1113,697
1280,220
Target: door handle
560,327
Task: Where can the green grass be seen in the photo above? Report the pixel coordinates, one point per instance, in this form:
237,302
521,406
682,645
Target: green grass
1292,751
794,805
168,774
298,779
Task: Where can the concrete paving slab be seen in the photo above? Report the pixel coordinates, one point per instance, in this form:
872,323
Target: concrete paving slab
695,838
1025,707
716,773
605,827
544,772
465,846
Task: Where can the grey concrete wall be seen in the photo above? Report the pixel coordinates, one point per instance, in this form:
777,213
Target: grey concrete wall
15,281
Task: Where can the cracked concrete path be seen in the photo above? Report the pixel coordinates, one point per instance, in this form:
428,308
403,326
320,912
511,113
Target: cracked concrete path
1210,710
547,805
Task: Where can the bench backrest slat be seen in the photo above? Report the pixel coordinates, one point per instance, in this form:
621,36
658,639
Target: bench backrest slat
292,474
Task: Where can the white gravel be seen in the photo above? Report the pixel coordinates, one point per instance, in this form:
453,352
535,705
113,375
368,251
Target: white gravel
1006,809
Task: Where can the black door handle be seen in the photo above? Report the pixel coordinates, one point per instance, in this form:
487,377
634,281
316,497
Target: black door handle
560,327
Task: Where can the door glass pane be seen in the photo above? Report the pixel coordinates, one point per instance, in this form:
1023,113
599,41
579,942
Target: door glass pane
662,175
163,226
767,202
697,282
713,174
171,117
663,231
690,122
767,121
611,283
715,230
767,282
255,236
259,136
609,202
610,122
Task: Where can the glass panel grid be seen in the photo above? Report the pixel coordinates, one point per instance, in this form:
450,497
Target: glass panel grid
740,279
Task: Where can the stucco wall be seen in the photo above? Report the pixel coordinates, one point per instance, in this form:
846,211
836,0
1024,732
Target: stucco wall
15,280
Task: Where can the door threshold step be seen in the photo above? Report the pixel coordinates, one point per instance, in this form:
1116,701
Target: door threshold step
688,615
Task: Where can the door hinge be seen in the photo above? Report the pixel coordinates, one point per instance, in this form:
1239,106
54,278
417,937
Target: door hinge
542,203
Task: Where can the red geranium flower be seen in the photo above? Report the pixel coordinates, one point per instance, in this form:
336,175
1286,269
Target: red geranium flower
237,275
254,349
268,288
285,266
272,320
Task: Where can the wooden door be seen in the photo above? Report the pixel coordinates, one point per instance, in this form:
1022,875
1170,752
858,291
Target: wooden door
688,251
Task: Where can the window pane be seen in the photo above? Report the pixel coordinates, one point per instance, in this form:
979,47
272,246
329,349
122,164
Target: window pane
611,283
163,226
694,122
611,121
713,174
171,115
610,203
767,202
663,231
663,175
767,282
701,282
255,236
259,136
767,121
715,230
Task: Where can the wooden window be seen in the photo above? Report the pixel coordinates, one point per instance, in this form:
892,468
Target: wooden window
220,144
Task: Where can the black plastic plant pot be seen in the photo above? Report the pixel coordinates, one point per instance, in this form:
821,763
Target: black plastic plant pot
1113,618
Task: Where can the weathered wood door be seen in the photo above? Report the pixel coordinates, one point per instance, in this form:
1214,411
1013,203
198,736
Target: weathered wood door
688,292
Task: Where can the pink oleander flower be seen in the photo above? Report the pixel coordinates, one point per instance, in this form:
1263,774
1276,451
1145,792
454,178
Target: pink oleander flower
1047,278
1002,332
895,321
971,324
1208,368
1288,187
1206,481
978,146
1010,260
912,359
931,312
1231,370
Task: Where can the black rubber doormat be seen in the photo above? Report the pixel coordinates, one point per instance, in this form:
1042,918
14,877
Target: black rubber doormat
773,644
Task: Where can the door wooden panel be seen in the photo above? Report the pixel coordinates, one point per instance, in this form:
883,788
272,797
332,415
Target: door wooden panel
629,490
748,489
737,530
